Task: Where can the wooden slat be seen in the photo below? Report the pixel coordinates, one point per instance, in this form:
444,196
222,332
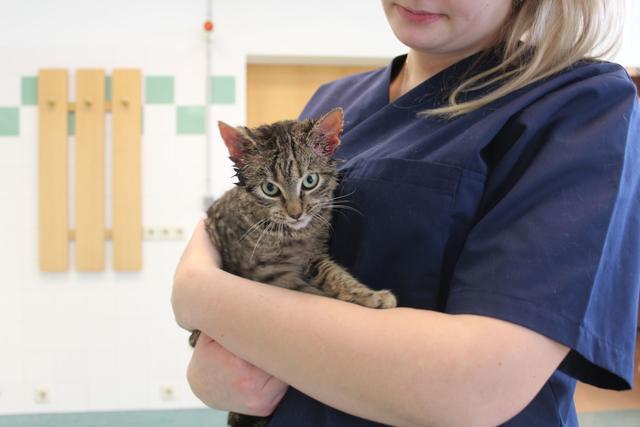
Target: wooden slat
90,170
53,178
126,174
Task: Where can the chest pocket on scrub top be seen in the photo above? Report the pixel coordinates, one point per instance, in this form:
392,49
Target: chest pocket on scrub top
397,239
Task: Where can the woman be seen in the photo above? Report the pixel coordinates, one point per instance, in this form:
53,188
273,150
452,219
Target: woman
497,174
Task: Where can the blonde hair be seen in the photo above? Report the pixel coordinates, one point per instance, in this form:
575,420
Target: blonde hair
540,38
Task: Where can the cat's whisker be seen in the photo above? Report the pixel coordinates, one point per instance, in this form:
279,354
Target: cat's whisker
316,211
343,206
282,231
337,207
319,216
341,213
335,201
343,196
326,206
266,230
254,226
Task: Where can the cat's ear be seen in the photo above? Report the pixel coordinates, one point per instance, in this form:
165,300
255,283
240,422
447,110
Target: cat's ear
328,129
236,140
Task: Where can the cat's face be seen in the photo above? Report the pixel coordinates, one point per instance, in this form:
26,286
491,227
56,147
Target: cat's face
287,167
293,187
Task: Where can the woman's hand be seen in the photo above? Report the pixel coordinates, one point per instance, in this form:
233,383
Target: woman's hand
224,381
199,258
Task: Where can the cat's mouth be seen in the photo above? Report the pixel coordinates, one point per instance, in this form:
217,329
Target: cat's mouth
300,223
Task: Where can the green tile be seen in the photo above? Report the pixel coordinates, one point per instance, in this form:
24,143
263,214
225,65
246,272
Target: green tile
223,90
157,418
159,89
625,418
189,120
107,88
71,123
29,90
9,121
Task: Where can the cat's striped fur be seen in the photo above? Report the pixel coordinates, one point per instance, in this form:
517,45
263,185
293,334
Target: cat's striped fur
282,239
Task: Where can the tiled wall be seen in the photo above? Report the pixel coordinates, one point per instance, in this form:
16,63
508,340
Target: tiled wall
159,90
106,341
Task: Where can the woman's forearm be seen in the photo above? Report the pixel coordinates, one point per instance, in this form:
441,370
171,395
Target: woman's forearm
400,366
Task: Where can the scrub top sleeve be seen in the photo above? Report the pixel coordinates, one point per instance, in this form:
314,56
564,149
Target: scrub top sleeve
556,244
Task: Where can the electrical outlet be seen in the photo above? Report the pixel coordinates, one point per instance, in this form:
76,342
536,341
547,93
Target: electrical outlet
41,395
163,232
177,233
167,392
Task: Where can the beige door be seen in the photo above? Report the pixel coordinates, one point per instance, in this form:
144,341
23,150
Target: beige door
278,92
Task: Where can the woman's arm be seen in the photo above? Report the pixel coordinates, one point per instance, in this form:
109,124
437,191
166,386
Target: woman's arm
402,366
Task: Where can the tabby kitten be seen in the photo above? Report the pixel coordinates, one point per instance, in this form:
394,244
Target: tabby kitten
274,226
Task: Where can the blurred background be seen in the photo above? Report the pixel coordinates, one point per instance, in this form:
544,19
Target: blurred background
99,346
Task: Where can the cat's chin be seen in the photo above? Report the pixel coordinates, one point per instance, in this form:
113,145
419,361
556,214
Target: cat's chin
299,225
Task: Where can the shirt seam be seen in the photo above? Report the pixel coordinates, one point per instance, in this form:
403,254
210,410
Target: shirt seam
472,173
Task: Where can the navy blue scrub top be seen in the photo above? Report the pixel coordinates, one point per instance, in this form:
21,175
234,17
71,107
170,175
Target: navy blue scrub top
525,210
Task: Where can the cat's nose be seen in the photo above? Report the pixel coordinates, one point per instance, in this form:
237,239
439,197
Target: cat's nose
295,215
294,209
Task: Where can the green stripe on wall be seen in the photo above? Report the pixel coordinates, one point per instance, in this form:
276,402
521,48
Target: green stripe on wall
172,418
107,88
628,418
71,123
29,90
9,121
159,89
212,418
223,90
190,120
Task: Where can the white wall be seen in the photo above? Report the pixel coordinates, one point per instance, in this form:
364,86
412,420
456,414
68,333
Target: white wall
629,54
105,341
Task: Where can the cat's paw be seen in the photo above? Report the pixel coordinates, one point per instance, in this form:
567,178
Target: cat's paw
377,299
387,299
193,338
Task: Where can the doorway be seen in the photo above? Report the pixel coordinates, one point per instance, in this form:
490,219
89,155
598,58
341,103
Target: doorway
280,91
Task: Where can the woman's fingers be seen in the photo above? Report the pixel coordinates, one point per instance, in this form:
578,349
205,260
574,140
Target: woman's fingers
224,381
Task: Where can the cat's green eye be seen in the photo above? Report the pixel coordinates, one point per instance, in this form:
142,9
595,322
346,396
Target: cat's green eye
270,189
310,181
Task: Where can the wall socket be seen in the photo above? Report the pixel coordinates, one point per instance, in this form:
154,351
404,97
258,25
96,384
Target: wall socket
163,232
41,395
167,392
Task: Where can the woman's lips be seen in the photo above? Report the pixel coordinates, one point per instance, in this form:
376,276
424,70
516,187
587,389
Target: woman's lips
418,16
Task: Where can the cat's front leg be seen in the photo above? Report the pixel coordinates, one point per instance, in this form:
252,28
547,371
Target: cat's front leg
291,280
336,282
